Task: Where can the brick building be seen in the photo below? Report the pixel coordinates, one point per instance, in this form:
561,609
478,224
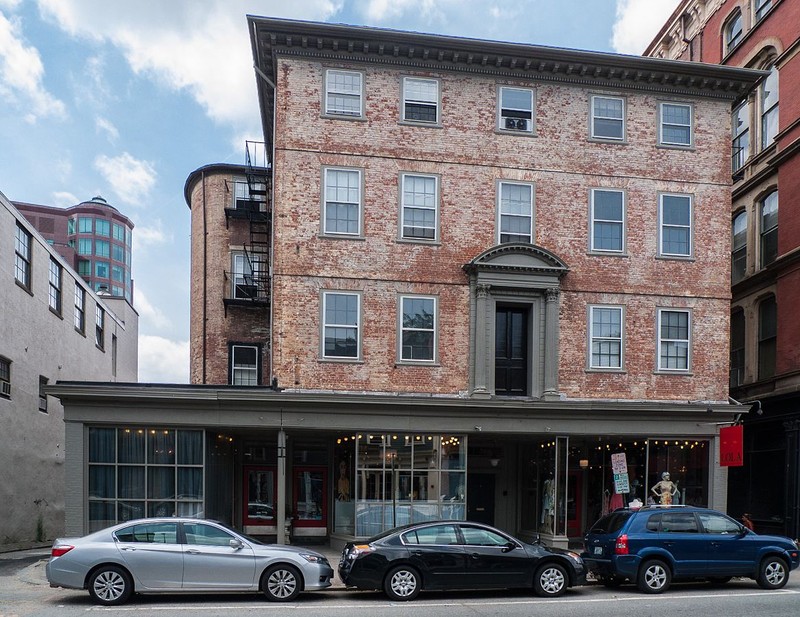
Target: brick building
765,167
461,277
94,237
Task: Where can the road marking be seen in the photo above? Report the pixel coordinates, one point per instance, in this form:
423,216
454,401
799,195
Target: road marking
423,603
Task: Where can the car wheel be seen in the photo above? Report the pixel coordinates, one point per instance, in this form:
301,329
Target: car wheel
773,573
550,580
654,577
719,580
110,586
281,583
402,583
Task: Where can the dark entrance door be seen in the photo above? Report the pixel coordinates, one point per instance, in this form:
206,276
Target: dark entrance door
480,498
511,351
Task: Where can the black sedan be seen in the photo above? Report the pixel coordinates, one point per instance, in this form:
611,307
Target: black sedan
456,555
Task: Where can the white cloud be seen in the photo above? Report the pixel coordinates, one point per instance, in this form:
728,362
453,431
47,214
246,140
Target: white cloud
200,46
104,125
149,236
638,22
162,360
22,74
64,199
130,179
9,4
149,314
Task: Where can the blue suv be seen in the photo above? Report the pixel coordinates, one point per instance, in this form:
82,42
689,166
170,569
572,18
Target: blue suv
653,545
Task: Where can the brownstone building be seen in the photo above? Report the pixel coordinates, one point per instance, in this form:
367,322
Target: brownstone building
765,168
464,279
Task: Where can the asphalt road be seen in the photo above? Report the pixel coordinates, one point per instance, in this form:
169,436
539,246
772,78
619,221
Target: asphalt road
24,592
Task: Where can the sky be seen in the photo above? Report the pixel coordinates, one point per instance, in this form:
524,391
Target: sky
125,99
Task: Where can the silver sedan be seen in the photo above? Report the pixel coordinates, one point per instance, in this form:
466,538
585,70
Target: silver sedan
181,555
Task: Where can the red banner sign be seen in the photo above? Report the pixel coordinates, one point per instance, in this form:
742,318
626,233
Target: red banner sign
731,446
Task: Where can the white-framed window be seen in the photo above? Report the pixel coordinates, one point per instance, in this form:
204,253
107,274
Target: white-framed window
608,118
674,339
607,220
675,124
740,136
22,257
54,285
80,309
761,7
733,32
675,225
244,365
421,100
739,247
344,93
515,109
768,228
99,327
515,212
418,328
769,108
419,197
341,325
243,277
605,337
5,377
342,202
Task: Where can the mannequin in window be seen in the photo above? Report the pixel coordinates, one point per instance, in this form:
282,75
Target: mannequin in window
343,483
665,489
548,504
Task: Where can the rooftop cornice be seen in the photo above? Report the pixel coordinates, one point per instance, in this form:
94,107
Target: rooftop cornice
271,38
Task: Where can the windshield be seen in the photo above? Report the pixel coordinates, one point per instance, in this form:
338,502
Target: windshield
610,523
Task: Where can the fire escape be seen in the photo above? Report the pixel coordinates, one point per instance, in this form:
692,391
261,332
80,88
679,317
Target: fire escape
251,275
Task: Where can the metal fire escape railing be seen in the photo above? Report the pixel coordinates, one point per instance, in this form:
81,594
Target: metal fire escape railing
257,252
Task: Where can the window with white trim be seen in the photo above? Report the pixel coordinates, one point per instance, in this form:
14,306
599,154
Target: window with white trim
342,202
80,310
605,336
242,277
607,220
515,212
341,327
417,328
675,225
769,228
516,109
244,365
22,257
421,100
733,32
343,93
420,206
769,108
740,136
608,118
761,8
739,252
674,328
5,377
675,124
54,285
99,327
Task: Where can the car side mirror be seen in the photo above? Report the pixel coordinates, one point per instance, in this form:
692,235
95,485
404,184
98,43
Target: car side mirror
236,543
508,547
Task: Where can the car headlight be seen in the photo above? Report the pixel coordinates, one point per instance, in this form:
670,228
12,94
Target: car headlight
312,558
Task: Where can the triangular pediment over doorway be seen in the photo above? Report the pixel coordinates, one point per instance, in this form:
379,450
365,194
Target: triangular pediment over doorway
522,259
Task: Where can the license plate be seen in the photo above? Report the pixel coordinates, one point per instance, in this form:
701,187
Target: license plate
598,550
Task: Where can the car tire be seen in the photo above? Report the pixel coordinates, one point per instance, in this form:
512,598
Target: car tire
550,581
110,585
654,576
773,573
281,583
402,583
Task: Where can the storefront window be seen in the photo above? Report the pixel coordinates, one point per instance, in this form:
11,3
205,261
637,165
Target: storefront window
136,472
399,479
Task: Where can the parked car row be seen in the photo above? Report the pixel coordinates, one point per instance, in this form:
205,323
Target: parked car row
650,547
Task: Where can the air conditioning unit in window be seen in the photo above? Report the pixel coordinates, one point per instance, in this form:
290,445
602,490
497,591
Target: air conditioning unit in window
515,124
5,388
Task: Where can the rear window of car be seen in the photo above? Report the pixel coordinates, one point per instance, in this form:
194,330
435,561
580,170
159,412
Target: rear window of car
159,533
610,523
438,534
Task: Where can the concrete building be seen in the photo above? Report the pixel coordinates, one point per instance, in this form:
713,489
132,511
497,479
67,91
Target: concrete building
765,167
466,279
95,239
52,327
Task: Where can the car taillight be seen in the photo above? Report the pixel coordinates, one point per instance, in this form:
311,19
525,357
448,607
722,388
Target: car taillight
61,549
621,547
360,549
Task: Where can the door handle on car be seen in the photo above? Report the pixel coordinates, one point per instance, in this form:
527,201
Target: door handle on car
668,543
127,548
192,551
475,555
